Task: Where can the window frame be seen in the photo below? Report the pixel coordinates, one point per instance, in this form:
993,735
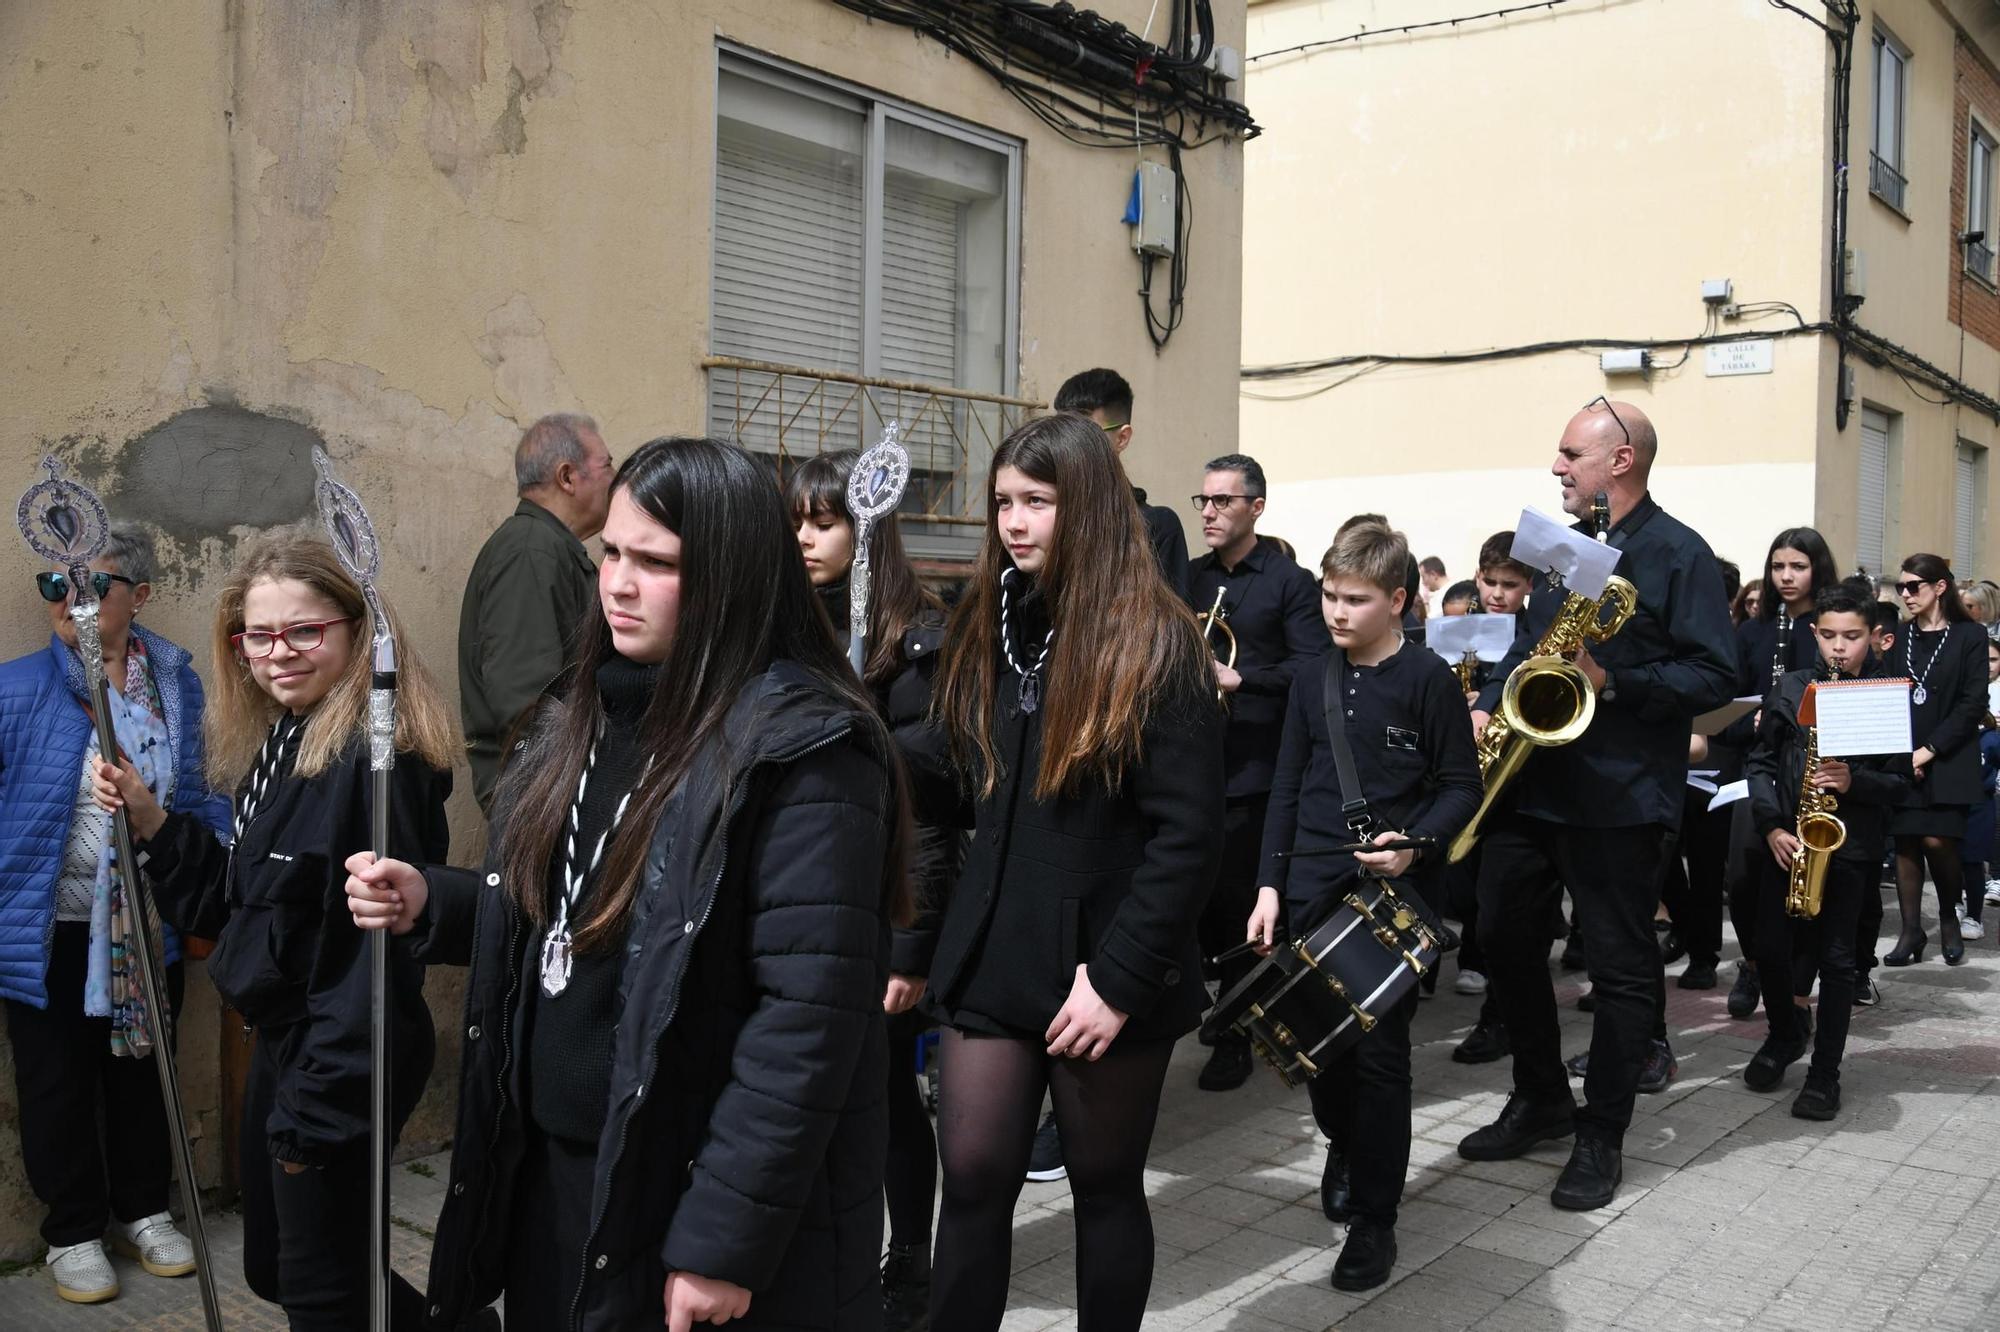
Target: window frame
1969,547
1979,255
1886,171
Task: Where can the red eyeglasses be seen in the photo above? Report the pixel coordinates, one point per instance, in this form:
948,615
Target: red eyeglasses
257,644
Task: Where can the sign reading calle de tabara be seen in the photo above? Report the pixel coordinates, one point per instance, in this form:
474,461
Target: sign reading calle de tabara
1752,356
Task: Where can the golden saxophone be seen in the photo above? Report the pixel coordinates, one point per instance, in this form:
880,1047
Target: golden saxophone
1467,668
1547,699
1217,618
1820,835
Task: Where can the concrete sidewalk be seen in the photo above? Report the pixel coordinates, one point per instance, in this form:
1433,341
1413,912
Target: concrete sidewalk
1733,1213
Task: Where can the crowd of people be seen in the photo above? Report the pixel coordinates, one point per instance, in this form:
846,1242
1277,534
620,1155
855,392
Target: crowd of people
732,883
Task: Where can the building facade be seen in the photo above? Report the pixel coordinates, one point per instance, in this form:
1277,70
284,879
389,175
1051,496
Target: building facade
404,230
1452,224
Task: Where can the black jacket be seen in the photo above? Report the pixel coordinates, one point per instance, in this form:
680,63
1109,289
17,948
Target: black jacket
1168,540
288,956
1756,650
1776,766
1947,721
1674,660
747,1132
1114,880
1272,606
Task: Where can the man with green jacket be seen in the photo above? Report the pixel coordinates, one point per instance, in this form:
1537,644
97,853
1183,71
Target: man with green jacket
530,588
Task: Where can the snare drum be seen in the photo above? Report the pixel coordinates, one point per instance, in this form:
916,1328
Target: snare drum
1311,1000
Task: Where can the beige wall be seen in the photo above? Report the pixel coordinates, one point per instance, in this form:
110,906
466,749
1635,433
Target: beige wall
1572,173
407,228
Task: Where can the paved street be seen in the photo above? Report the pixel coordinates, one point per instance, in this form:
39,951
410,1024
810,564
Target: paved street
1733,1212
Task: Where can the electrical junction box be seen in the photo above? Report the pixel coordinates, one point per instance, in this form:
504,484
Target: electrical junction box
1226,63
1153,217
1626,361
1716,291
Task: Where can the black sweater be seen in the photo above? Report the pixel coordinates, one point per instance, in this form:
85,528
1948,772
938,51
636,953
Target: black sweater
1776,767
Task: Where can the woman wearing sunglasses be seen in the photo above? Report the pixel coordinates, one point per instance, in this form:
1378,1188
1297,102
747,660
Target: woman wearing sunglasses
1943,653
73,1009
287,733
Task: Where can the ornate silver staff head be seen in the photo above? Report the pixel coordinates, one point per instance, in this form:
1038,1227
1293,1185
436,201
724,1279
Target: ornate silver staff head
352,535
64,522
874,489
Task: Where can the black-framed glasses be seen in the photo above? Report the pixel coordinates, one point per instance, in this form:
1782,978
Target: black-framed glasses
257,644
1591,406
54,586
1222,503
1909,589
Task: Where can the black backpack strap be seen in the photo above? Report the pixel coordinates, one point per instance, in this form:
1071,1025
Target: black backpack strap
1354,802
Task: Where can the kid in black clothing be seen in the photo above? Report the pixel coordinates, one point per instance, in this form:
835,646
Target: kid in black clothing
1866,789
1407,725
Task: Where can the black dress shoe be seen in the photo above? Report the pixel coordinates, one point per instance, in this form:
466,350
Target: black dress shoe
1818,1099
1521,1125
1228,1065
1367,1258
1743,995
1766,1068
1698,976
1485,1043
1907,950
1953,954
1334,1197
1659,1068
906,1288
1591,1178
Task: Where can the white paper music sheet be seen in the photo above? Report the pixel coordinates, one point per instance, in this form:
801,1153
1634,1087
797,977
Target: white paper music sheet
1488,637
1862,717
1540,542
1730,794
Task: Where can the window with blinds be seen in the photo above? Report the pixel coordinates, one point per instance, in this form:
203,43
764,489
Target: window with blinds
1968,508
1872,505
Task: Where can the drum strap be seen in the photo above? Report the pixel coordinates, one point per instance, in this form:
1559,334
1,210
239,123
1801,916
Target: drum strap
1354,802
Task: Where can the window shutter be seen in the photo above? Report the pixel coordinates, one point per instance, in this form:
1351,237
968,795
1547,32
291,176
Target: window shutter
1965,514
1871,511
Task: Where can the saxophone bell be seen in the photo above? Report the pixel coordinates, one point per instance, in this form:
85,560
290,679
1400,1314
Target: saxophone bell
1821,834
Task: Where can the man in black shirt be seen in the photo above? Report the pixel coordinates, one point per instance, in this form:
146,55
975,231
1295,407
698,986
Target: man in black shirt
1272,607
1595,813
1105,397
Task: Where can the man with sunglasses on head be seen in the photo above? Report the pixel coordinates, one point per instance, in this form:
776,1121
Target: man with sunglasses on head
1105,397
1271,605
1595,814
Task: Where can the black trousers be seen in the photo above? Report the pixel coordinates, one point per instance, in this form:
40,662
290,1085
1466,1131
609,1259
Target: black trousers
551,1224
1361,1101
305,1235
1229,906
1613,877
1868,923
93,1124
1794,947
1692,887
1745,847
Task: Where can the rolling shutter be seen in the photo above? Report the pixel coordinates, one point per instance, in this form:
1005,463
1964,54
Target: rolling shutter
1965,513
1871,509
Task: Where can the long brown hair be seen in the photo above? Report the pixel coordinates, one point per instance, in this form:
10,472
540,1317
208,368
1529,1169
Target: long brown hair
1125,644
239,713
898,599
745,601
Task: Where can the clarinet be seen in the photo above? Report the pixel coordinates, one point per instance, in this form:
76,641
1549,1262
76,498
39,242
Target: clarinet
1783,654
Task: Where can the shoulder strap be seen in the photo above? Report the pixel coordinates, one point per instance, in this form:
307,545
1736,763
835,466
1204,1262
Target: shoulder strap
1354,804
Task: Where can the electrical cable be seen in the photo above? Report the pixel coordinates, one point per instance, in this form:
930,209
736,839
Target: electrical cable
1408,28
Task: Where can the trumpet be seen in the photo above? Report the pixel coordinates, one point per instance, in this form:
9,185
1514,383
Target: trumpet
1216,618
1820,835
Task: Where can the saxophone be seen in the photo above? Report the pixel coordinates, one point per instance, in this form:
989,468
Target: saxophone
1820,835
1467,668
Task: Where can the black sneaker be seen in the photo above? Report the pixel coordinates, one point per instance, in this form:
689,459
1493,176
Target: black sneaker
1659,1069
1866,995
1818,1099
906,1289
1228,1065
1485,1043
1698,976
1745,994
1578,1065
1766,1068
1046,1161
1367,1258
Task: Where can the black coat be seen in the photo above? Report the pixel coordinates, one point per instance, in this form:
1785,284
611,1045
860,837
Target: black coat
939,853
1947,721
288,956
747,1131
1114,880
1776,767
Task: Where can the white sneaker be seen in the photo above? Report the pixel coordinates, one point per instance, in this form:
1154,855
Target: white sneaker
83,1274
1993,891
160,1248
1470,982
1969,926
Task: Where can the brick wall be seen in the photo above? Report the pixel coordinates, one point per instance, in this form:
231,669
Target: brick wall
1974,304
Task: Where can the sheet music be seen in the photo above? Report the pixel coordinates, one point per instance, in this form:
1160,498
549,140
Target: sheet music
1862,717
1714,723
1730,794
1540,542
1489,637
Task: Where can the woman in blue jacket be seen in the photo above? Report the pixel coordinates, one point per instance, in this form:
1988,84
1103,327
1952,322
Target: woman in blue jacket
93,1128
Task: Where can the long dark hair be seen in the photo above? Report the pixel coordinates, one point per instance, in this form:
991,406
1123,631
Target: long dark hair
1124,645
1810,544
898,599
745,601
1936,569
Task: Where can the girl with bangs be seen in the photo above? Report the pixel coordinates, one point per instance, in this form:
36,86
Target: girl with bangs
1078,699
286,732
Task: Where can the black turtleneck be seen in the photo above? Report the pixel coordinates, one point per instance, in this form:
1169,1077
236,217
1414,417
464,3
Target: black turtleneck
833,596
569,1041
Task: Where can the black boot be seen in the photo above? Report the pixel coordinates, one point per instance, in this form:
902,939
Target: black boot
1335,1199
1590,1180
1522,1124
1743,995
1367,1258
1484,1044
1818,1099
1766,1068
906,1288
1228,1065
1698,976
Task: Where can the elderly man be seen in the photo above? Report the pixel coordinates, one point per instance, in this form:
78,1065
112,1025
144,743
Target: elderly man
1595,813
530,588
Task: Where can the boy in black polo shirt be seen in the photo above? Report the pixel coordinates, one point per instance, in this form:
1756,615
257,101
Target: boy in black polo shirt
1866,789
1411,736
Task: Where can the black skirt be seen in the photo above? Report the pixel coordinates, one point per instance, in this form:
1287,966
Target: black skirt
1917,817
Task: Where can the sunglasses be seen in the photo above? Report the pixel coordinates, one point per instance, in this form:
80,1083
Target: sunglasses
1592,406
54,587
1909,589
257,644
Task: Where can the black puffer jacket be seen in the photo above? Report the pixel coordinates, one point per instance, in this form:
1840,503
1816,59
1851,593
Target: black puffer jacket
747,1132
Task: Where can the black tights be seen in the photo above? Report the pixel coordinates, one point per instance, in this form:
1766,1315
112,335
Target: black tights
910,1181
989,1101
1947,872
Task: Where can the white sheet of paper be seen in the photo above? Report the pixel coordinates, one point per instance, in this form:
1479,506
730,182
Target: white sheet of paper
1730,794
1489,637
1863,717
1702,784
1540,542
1714,723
